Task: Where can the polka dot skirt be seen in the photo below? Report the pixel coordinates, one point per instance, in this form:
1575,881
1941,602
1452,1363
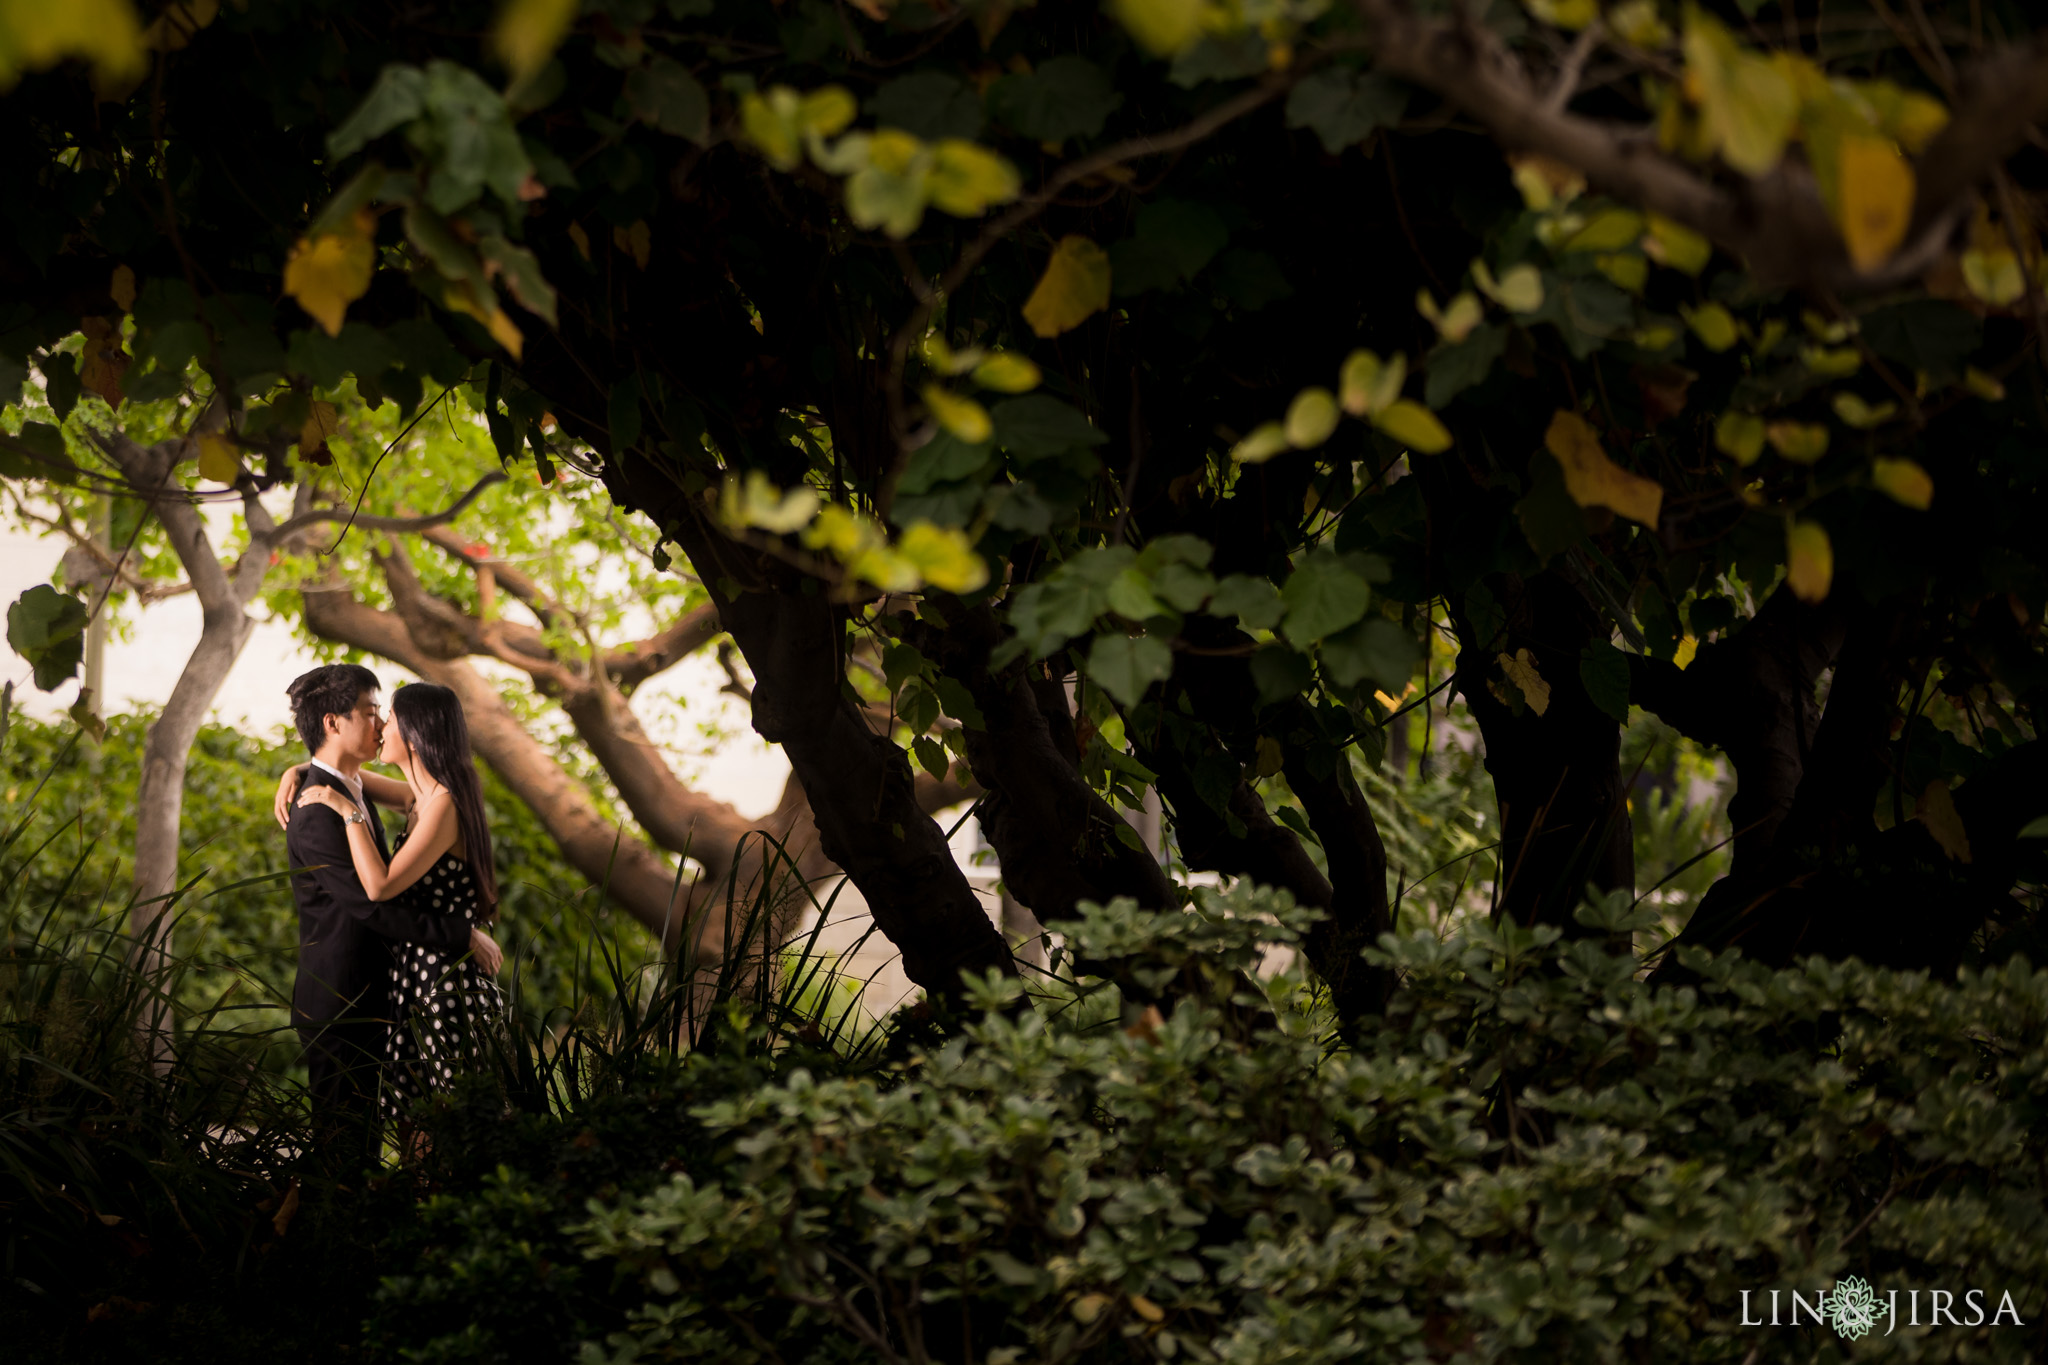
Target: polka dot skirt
441,1002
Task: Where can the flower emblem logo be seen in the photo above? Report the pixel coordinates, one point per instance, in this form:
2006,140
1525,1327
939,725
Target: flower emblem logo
1852,1308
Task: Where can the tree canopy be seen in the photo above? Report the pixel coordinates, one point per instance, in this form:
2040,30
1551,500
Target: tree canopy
1144,384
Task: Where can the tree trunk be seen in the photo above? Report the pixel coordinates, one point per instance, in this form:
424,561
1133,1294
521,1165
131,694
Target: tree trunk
860,786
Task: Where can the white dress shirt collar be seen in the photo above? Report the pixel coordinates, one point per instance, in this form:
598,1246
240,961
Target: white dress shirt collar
353,784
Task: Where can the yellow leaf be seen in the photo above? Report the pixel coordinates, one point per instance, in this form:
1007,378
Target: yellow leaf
769,121
1544,183
1592,479
1712,324
1936,809
1637,23
122,288
1007,372
1799,442
1677,246
1075,286
943,557
1520,669
35,34
966,180
1368,386
1162,27
321,422
1311,417
103,360
1456,322
528,32
1831,363
1740,435
1856,412
218,459
1876,198
838,530
1994,276
332,271
1626,269
1983,385
1144,1307
1688,649
1810,561
1571,15
1414,426
636,240
1267,440
1088,1308
1607,230
826,110
1907,117
964,417
1903,482
1519,289
1748,103
758,503
496,320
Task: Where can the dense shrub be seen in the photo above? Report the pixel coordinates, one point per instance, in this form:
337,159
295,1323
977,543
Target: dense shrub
1535,1156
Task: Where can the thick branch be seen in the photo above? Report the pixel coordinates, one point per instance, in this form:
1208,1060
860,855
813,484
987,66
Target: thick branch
1777,222
1059,841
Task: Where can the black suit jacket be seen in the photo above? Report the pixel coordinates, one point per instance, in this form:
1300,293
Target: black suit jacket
344,957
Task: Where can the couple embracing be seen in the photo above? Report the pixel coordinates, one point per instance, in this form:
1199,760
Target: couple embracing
394,982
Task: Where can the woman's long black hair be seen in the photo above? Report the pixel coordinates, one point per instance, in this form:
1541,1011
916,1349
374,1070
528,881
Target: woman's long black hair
429,717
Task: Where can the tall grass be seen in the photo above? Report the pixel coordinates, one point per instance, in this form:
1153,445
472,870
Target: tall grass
119,1148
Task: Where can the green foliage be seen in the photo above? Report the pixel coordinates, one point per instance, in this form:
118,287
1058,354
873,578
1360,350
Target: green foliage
1534,1156
47,628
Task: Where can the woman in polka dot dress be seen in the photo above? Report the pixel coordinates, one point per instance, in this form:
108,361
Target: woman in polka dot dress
441,1001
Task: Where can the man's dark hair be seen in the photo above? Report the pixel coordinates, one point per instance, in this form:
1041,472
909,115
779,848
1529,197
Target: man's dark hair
330,690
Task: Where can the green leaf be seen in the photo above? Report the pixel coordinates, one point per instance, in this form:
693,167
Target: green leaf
1603,671
1414,426
1296,821
931,755
1038,425
521,273
1375,650
60,380
930,105
1344,107
1322,597
1456,366
1250,280
399,96
665,94
1175,239
1063,98
959,703
1255,602
1925,334
1280,674
1126,665
47,628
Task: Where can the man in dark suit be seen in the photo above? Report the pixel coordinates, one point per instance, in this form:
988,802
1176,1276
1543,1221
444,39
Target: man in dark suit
339,1001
